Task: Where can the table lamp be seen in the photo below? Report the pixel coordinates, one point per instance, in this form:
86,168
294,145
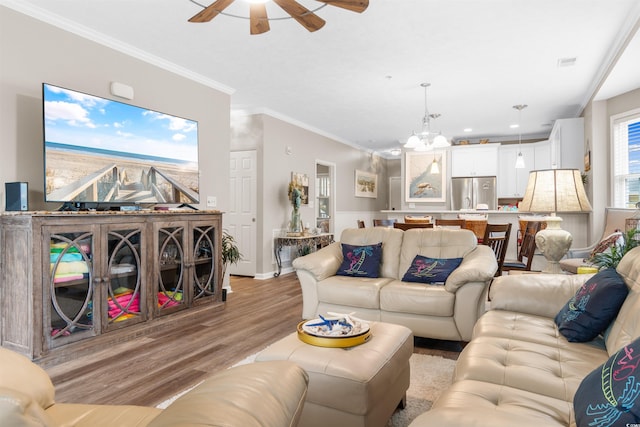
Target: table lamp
552,191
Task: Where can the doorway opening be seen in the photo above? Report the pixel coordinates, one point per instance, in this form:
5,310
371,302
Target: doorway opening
325,196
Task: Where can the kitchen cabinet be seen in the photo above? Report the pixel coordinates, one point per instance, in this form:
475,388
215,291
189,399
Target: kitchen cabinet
567,144
542,155
512,182
474,160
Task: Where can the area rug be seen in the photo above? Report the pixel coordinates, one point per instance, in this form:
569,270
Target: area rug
430,376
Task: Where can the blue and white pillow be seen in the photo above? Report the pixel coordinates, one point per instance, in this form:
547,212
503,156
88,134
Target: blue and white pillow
610,395
361,261
593,307
430,270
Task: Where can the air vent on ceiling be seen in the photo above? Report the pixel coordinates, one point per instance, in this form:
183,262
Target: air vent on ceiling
567,62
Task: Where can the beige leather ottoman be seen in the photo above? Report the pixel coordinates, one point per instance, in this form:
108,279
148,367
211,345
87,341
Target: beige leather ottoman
352,387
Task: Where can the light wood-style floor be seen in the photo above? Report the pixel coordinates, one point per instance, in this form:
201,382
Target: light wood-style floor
150,369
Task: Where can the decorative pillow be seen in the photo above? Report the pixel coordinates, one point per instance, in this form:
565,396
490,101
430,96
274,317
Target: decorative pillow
360,261
593,307
430,270
605,243
610,394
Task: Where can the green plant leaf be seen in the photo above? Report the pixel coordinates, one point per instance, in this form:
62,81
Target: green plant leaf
611,257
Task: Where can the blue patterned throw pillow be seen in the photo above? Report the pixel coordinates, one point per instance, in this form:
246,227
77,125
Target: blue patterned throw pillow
360,261
593,307
430,270
610,395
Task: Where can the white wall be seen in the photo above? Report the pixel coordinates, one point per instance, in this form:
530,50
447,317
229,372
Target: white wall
598,139
33,52
271,137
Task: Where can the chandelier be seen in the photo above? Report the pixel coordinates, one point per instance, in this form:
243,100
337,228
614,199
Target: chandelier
426,140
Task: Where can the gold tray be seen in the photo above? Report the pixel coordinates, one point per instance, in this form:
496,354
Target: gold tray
336,342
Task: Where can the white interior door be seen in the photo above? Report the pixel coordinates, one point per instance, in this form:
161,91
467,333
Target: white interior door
240,219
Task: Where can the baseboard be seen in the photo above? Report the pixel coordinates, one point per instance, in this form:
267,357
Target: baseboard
270,274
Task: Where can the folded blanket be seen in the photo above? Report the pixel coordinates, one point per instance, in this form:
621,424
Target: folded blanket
61,246
62,278
66,257
70,267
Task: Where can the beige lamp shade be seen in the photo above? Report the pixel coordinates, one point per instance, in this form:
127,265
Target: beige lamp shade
555,190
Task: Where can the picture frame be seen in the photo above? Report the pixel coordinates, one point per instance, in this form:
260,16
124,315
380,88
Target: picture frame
301,180
366,184
587,161
422,182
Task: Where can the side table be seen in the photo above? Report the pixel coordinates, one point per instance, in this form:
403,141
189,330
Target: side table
303,244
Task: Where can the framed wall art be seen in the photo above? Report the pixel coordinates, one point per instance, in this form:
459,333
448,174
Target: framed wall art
301,180
425,176
366,184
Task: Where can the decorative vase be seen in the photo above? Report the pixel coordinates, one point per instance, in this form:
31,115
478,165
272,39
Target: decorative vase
295,226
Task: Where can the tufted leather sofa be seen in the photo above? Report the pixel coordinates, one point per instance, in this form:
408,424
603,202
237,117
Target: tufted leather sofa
446,311
518,370
269,394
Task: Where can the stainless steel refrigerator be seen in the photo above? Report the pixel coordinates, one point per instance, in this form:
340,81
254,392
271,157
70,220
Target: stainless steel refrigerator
473,193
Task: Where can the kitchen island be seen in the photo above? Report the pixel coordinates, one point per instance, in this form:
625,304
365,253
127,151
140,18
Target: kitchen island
575,223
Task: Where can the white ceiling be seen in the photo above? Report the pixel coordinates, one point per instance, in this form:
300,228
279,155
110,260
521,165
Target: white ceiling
358,78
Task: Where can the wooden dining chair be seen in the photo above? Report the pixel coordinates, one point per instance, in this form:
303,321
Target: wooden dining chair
360,223
451,223
384,222
409,225
527,250
496,236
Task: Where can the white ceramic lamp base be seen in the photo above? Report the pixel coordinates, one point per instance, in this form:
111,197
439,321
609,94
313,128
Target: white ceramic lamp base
553,242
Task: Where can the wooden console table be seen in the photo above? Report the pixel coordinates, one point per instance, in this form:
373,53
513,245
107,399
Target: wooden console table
303,244
74,282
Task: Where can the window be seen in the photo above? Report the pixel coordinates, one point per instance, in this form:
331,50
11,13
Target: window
626,159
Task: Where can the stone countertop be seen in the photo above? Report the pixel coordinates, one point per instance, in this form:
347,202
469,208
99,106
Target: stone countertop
492,212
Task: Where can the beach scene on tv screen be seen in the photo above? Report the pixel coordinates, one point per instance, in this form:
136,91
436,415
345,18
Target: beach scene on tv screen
103,151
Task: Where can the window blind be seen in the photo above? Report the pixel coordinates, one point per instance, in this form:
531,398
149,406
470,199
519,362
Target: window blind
626,160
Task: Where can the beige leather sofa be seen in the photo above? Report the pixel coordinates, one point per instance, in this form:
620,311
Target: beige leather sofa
269,394
518,370
446,311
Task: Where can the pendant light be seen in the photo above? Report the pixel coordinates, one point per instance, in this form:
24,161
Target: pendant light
520,158
435,167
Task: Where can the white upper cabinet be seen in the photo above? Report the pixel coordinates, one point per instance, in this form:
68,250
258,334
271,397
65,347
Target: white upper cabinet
474,160
511,181
542,155
567,144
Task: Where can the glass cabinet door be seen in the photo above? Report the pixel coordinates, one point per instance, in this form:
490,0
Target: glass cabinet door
170,294
125,296
204,255
71,287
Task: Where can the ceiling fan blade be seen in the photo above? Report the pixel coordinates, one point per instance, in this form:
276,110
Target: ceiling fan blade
352,5
258,18
304,16
211,11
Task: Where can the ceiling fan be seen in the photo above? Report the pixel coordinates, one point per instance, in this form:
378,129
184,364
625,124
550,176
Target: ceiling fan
258,12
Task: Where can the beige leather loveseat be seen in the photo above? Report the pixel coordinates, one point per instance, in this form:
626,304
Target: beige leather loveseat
519,370
444,311
256,395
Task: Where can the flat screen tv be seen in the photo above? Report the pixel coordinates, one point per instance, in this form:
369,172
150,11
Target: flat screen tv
99,152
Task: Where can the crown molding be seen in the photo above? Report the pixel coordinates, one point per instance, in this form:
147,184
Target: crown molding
90,34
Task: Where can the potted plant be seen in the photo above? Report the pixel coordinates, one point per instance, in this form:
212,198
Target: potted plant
611,257
230,255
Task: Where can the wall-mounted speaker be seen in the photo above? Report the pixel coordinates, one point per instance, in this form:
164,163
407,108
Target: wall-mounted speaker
16,195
